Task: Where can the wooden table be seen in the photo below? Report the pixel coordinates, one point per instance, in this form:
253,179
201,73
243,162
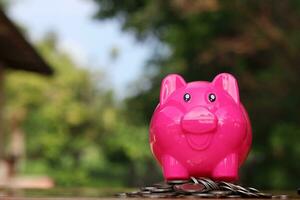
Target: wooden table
87,194
91,198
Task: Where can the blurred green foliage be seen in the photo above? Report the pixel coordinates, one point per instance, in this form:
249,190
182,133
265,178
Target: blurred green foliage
72,125
4,3
257,41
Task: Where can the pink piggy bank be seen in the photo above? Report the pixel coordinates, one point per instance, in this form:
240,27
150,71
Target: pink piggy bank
200,129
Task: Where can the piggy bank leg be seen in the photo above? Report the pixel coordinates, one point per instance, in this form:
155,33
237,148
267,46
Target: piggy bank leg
227,169
172,169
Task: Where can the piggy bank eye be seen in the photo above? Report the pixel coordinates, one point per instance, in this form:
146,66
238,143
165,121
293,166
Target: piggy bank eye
212,97
186,97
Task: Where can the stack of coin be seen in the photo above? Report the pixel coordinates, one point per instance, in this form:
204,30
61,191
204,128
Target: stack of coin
198,188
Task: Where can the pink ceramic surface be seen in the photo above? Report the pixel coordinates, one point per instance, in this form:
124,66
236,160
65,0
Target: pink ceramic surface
200,129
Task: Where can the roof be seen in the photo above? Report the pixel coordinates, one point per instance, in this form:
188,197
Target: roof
16,52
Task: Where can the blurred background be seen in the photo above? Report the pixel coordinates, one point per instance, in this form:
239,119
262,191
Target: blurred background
80,80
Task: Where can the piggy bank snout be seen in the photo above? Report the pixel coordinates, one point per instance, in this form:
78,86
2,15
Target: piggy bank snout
199,120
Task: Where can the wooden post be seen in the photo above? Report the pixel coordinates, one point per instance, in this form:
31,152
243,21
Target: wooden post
3,163
2,133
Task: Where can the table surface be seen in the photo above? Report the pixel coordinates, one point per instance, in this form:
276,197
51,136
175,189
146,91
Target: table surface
86,193
95,198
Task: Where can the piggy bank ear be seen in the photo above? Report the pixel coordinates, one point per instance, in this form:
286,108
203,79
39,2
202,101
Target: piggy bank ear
169,85
228,83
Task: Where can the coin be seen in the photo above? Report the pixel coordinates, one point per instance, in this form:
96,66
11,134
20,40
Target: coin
228,185
203,195
264,195
132,194
241,188
207,186
158,195
220,193
224,187
174,182
164,186
233,196
213,185
252,194
198,188
122,195
251,189
194,180
242,193
160,190
280,197
145,192
190,187
147,188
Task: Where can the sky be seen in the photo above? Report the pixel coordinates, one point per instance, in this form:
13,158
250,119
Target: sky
87,40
